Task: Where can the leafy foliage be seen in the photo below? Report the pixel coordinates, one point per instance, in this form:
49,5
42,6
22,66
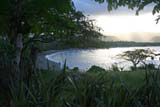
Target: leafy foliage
24,9
136,56
132,4
89,89
26,23
95,68
138,5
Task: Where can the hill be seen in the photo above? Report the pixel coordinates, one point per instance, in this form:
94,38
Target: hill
155,39
109,38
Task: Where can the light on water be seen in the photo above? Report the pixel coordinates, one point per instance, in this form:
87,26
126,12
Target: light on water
85,58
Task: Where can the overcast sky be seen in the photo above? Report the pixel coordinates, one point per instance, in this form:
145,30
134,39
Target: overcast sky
121,21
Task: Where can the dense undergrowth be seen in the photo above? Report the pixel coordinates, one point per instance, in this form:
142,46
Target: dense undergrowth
96,87
70,88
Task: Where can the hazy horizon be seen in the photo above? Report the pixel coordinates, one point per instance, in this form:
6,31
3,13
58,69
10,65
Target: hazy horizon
135,36
121,23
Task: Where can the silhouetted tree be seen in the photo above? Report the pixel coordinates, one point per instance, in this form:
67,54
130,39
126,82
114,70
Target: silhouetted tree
136,56
18,18
26,22
133,4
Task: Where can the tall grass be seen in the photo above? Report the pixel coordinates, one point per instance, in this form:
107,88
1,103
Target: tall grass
82,89
77,89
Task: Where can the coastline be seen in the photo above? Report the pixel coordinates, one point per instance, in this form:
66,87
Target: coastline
45,64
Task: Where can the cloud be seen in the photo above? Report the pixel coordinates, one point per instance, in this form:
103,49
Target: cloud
121,22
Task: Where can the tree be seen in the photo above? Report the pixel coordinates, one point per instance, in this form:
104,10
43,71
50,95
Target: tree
26,22
20,18
133,4
75,28
136,56
84,29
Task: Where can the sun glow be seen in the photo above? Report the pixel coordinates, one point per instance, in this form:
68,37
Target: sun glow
127,23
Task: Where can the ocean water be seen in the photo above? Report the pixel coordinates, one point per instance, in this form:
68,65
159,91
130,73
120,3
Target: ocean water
85,58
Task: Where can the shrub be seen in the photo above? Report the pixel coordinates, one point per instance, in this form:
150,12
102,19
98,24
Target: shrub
115,67
95,68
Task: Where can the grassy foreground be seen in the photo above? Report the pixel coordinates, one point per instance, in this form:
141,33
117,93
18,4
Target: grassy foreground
68,88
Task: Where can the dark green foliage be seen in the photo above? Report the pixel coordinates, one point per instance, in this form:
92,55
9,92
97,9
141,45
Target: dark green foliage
136,56
148,66
94,44
137,5
96,89
75,69
27,8
132,4
115,67
46,20
57,20
27,23
95,69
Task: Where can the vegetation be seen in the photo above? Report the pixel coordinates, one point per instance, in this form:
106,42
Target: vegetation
94,44
86,89
133,4
136,56
25,24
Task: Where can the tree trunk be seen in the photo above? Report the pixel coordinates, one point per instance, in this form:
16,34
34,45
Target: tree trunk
135,66
18,45
18,48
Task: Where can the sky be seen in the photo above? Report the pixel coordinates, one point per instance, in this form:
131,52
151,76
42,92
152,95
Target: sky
122,23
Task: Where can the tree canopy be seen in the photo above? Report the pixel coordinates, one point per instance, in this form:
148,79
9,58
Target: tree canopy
132,4
138,5
136,56
28,21
24,13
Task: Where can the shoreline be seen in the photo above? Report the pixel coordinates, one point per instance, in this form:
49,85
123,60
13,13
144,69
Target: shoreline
45,64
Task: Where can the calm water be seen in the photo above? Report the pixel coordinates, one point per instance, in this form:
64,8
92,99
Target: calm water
85,58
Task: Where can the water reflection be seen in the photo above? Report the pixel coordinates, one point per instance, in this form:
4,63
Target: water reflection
85,58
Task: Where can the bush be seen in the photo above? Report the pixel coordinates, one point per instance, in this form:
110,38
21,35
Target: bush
146,66
115,67
75,69
150,66
76,89
95,69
